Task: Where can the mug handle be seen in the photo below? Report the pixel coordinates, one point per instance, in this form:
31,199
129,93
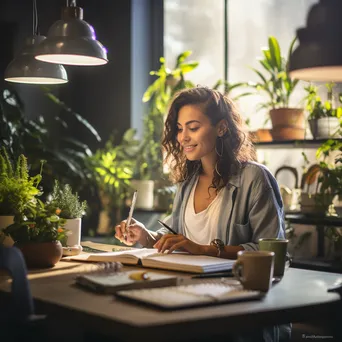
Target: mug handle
237,271
288,261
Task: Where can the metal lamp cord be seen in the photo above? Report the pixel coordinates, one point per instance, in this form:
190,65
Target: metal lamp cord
35,19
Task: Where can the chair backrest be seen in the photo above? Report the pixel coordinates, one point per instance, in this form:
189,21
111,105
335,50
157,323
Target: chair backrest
21,308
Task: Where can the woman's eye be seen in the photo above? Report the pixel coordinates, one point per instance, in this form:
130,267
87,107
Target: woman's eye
194,129
179,130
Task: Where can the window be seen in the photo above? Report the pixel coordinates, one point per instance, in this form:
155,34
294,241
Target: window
196,25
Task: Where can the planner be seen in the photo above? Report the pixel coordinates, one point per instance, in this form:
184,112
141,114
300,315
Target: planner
190,295
111,282
149,257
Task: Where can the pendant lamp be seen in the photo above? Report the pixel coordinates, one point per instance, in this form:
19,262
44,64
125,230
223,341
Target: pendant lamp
72,41
26,69
319,54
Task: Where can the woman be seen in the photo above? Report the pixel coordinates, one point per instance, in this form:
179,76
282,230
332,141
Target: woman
225,201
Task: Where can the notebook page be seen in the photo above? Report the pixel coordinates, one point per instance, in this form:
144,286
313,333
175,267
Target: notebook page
129,257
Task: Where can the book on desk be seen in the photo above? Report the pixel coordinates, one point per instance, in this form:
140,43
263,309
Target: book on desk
149,257
111,282
199,293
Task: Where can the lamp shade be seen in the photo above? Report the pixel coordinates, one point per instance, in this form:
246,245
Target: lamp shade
72,41
318,56
26,69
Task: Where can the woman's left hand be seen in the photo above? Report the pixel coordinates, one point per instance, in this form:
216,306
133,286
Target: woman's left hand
171,242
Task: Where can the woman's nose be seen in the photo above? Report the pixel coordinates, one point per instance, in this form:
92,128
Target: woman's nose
184,136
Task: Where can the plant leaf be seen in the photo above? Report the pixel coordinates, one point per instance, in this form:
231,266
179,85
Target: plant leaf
275,54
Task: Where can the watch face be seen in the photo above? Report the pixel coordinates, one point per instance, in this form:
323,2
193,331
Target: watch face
217,242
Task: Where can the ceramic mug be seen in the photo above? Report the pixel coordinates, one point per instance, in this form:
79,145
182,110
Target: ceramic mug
254,269
279,247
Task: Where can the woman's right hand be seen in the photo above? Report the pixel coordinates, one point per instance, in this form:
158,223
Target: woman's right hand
135,232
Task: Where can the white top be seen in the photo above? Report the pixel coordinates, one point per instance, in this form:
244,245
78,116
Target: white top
202,227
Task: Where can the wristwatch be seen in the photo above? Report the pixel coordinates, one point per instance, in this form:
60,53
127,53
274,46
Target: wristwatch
219,245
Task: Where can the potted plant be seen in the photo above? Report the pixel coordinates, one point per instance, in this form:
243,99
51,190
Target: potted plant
68,206
324,119
327,179
18,190
317,199
37,232
113,168
276,84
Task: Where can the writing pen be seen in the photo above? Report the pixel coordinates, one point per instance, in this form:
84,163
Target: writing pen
167,227
130,214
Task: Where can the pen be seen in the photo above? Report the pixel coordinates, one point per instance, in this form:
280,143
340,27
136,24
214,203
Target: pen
167,227
130,214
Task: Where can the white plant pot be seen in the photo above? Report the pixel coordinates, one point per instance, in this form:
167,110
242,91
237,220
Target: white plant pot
324,128
145,198
309,204
73,227
5,221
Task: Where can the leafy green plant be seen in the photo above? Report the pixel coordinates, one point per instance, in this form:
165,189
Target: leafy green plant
318,108
113,168
18,190
228,88
335,173
274,80
46,138
67,203
40,224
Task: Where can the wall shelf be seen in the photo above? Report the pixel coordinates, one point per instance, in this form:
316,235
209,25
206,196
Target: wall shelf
317,264
308,143
318,221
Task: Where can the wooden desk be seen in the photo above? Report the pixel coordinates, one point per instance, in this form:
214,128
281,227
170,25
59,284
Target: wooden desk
301,295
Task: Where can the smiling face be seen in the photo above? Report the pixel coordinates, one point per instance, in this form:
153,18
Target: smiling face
196,135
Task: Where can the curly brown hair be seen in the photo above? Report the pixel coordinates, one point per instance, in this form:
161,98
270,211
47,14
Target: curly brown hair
235,144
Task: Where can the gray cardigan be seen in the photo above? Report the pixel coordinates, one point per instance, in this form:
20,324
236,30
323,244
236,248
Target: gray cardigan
253,208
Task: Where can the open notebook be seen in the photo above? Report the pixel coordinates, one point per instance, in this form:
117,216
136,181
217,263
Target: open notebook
149,257
190,295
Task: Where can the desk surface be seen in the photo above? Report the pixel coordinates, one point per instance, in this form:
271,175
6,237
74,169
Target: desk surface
300,294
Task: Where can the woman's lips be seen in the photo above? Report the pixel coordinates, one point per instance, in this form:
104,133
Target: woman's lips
189,148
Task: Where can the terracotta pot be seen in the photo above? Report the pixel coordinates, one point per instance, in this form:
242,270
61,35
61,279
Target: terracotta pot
41,254
287,133
263,135
287,117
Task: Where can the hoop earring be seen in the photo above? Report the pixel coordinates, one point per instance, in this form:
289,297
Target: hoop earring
217,171
219,154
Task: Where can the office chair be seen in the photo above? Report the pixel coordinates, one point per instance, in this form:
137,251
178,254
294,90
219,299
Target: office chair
17,319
